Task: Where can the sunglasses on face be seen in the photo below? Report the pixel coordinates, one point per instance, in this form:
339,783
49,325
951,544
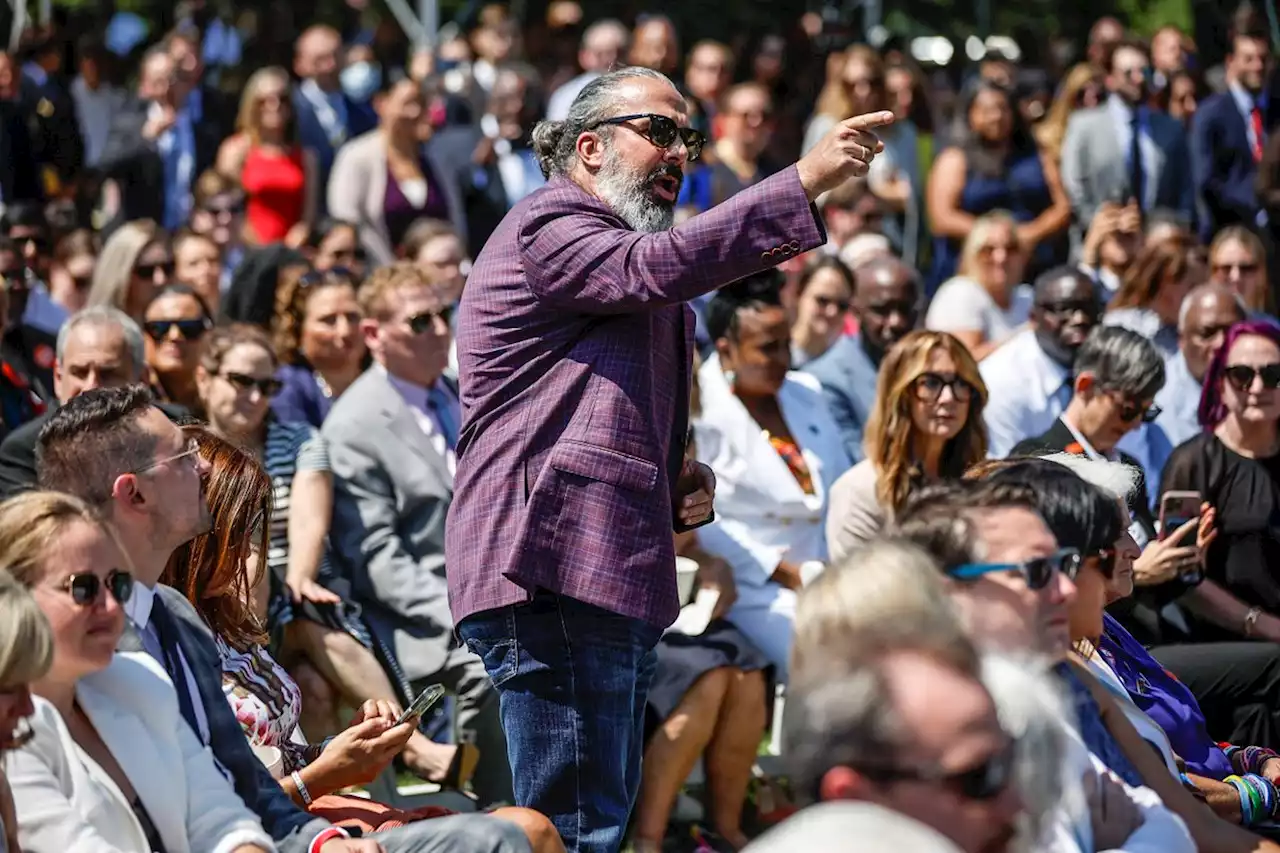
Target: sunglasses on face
906,309
189,330
1038,572
984,781
149,270
1240,269
268,387
86,588
662,132
35,241
420,323
1131,411
1071,307
929,387
1242,375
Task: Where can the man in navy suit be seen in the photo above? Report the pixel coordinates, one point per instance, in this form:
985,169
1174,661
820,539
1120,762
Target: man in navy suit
1228,135
326,117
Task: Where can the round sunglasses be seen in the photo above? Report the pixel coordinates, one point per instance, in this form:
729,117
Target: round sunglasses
85,588
1242,376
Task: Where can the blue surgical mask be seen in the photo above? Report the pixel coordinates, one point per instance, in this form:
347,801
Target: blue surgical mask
361,80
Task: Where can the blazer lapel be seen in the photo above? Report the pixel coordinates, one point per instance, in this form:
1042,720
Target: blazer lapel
402,425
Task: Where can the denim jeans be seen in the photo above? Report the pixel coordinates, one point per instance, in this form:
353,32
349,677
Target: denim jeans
572,682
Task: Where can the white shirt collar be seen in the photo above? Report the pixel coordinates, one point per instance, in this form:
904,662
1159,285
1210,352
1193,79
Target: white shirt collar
138,608
1084,443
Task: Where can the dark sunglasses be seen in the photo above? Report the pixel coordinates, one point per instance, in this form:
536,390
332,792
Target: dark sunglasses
333,275
901,307
149,270
984,781
662,132
85,588
1069,307
1244,269
37,241
929,387
1038,572
189,330
1131,411
267,387
1242,376
421,322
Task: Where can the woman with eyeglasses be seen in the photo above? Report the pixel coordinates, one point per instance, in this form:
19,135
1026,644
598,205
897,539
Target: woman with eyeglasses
776,451
175,324
317,339
111,764
71,273
1235,466
26,653
1152,290
822,305
135,262
987,301
1238,258
925,425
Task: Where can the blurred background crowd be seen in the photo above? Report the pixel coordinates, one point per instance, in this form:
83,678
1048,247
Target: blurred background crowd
267,215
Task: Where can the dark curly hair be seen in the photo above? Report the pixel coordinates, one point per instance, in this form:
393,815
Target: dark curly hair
297,286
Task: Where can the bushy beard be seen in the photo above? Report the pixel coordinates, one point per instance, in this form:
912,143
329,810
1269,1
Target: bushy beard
631,195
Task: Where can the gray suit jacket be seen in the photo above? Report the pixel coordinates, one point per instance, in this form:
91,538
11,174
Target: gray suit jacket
292,828
392,491
1094,168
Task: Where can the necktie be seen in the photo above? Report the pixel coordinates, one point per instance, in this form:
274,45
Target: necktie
1137,185
439,403
171,659
1063,395
1255,117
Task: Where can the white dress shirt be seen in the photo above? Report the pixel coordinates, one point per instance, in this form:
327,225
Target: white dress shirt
1026,392
418,399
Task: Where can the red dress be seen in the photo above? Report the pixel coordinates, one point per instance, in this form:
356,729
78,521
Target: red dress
275,192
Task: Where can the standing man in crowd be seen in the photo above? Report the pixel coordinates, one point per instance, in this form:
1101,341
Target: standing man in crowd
575,353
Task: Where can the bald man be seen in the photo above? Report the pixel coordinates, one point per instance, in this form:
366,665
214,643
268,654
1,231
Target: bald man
326,117
603,44
1207,311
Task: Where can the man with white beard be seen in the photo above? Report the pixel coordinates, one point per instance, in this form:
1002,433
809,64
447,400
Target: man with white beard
574,354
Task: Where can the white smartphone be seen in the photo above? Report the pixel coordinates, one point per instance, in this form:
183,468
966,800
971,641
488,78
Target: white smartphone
422,704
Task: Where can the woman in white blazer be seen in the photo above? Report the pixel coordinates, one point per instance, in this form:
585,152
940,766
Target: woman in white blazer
775,450
111,766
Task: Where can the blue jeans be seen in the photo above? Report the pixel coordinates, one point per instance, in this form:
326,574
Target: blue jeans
572,681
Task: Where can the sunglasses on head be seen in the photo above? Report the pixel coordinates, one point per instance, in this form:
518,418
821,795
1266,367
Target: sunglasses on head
86,588
420,323
662,132
1242,376
984,781
268,387
929,387
189,330
1038,572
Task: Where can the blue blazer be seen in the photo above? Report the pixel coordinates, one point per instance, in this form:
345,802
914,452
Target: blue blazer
1222,166
848,381
312,136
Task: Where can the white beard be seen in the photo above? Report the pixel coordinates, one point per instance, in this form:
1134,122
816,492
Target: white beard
629,196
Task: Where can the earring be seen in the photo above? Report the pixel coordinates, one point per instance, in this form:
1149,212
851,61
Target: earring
731,377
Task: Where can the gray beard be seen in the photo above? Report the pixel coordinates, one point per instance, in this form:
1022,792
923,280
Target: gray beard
628,195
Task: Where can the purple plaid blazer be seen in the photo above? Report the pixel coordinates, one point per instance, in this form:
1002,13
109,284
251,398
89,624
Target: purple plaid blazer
572,334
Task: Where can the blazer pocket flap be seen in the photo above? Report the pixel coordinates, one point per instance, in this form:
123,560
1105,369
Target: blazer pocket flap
604,465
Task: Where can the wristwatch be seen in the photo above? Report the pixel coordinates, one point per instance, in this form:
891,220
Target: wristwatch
1251,620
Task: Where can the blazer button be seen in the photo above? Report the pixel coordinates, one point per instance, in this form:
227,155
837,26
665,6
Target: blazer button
795,245
764,256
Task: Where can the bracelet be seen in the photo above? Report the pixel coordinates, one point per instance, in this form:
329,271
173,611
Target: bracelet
325,837
302,788
1246,800
1251,620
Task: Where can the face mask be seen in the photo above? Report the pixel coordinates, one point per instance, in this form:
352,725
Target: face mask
361,80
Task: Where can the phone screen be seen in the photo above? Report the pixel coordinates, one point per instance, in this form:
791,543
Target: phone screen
425,700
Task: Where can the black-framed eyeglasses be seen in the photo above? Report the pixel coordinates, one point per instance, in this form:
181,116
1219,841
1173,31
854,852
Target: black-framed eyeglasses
188,330
1038,571
1242,376
929,387
984,781
662,132
420,323
85,588
267,387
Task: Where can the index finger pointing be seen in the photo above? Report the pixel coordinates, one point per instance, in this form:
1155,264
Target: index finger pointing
868,121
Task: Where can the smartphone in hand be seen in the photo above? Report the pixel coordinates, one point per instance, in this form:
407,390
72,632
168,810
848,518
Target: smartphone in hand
422,704
1176,509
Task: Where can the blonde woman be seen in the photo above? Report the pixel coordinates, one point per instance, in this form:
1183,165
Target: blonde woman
926,425
278,176
987,302
26,652
135,263
111,764
1083,87
1238,258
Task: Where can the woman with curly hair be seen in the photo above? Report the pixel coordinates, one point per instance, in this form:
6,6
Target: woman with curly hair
317,337
926,424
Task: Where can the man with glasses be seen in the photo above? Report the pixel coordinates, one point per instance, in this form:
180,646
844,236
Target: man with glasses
112,448
1029,378
575,353
886,303
393,440
1116,377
